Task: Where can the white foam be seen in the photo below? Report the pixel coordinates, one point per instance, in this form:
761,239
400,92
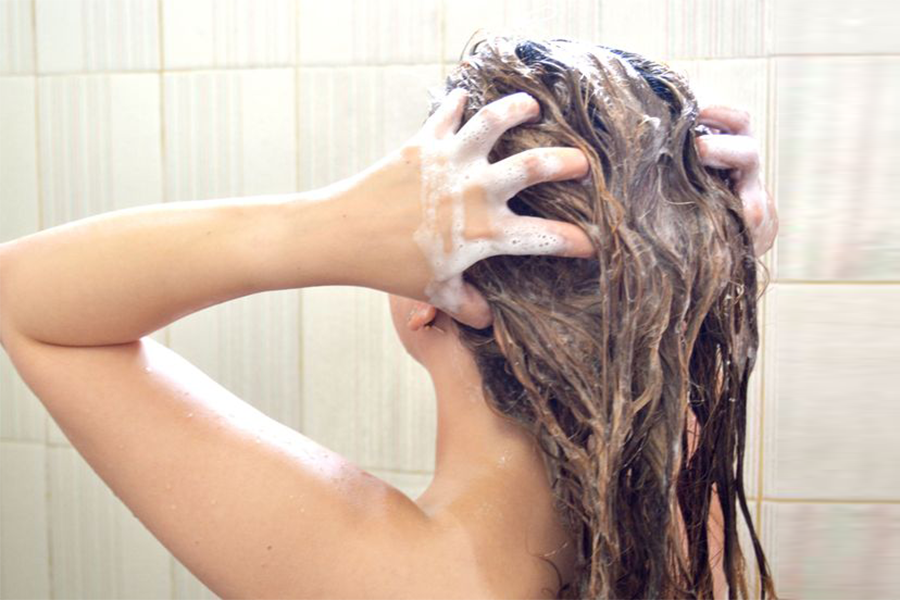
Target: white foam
449,167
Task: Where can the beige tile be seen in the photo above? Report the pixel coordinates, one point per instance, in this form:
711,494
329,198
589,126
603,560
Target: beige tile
411,484
229,133
99,549
344,32
351,117
836,27
22,416
25,568
97,35
535,19
834,550
99,144
751,444
17,45
251,346
186,586
238,33
836,179
18,158
364,397
831,401
738,83
686,28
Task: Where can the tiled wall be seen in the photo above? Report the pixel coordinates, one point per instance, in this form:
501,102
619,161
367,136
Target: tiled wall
106,104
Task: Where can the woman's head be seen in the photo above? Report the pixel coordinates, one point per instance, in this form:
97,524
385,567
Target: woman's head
604,358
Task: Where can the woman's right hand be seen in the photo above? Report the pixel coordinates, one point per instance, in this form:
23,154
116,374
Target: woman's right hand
738,150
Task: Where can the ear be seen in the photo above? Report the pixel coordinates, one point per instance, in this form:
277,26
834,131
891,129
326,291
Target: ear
421,314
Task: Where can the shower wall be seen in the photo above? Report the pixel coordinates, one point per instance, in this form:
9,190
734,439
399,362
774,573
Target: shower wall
107,104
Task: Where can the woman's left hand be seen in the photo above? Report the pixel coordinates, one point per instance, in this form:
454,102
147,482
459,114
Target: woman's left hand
738,150
438,206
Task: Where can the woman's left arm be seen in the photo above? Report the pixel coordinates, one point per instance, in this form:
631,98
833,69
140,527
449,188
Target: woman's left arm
251,507
116,277
409,225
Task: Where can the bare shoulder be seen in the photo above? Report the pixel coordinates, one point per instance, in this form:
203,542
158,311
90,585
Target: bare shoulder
400,552
254,509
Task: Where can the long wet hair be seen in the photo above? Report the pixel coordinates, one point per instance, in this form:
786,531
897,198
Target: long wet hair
603,359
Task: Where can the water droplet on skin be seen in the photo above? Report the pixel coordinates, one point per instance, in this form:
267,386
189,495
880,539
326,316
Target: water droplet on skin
148,370
190,415
257,439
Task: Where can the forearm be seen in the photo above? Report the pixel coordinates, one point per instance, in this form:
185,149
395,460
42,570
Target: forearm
116,277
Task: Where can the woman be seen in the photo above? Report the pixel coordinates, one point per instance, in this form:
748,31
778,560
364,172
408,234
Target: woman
255,509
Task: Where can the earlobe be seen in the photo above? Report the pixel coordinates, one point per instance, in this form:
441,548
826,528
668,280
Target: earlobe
421,314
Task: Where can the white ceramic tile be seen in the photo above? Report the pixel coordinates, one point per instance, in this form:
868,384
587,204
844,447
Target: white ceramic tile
364,397
685,28
834,550
99,144
831,398
230,133
835,168
18,158
25,568
342,32
530,18
186,586
99,549
17,45
22,416
251,346
97,35
738,83
229,33
751,445
411,484
351,117
836,27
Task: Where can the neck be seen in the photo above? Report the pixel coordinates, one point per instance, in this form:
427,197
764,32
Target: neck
476,448
489,478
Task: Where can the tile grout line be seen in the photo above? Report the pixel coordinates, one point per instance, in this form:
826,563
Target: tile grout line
40,210
164,168
858,282
766,338
253,67
298,160
768,309
832,501
164,175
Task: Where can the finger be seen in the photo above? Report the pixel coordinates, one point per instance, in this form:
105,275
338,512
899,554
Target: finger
483,130
472,309
512,174
534,235
730,152
731,120
445,120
